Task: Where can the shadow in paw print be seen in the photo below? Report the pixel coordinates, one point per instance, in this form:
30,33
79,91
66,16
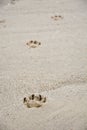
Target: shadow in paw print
13,1
33,44
2,23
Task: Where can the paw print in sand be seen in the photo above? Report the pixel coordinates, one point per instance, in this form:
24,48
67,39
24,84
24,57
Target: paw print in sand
33,44
34,100
56,17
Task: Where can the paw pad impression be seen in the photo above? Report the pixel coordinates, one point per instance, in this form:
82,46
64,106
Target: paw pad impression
56,17
33,44
34,100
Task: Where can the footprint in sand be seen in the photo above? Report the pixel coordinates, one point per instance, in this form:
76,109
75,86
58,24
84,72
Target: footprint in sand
33,44
34,100
56,17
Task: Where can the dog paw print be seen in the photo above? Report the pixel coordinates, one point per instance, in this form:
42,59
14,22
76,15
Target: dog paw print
34,101
33,44
56,17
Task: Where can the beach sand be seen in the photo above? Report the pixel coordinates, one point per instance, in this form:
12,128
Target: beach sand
57,68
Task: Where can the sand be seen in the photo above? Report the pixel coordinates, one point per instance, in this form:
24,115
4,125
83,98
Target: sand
57,68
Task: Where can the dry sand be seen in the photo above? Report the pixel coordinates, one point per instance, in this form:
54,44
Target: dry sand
57,68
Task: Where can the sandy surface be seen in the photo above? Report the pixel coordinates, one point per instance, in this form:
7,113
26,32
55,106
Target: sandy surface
57,68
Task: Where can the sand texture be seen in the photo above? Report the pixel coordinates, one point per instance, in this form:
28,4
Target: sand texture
43,50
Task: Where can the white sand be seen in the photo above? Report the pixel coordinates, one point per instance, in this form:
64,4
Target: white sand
57,68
